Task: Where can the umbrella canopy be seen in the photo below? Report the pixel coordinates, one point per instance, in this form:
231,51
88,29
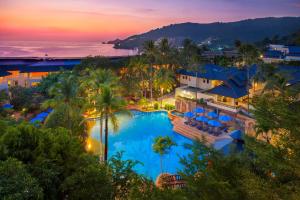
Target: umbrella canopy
214,123
202,119
212,114
49,110
7,106
189,114
225,118
36,119
237,134
42,114
199,110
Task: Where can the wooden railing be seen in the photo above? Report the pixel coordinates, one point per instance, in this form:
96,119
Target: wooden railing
174,181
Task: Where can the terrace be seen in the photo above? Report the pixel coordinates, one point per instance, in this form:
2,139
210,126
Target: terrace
207,126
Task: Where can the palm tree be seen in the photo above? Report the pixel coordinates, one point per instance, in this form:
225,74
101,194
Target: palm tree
150,51
136,78
93,84
249,55
111,103
162,146
164,80
65,96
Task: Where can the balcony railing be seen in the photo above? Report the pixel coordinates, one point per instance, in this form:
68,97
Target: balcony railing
222,106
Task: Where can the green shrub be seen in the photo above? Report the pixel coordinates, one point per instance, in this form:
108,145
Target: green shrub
169,107
156,106
201,101
131,102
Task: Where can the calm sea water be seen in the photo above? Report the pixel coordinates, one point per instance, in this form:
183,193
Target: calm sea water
59,49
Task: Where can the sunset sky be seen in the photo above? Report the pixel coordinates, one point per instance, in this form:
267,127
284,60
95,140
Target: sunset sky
92,20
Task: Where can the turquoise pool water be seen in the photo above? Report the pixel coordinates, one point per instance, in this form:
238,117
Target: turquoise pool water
135,137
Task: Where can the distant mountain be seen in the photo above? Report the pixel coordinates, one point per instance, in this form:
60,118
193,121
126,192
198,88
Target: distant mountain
250,30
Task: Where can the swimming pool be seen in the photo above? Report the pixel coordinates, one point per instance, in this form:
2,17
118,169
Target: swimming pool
135,137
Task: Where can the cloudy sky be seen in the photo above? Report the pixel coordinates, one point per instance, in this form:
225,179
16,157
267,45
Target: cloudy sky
94,20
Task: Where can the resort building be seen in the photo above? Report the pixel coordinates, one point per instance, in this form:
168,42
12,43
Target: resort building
226,88
29,72
280,53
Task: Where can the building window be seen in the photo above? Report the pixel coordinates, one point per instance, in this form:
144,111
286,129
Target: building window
203,80
189,78
207,81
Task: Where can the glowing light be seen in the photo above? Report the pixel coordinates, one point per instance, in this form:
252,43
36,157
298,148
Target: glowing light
89,146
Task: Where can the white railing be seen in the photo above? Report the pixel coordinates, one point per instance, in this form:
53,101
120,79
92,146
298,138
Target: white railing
223,106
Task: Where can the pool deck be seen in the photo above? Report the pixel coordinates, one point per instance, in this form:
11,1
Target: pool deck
193,133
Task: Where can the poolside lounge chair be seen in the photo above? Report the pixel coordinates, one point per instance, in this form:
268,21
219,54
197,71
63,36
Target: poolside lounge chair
205,127
200,127
210,130
193,124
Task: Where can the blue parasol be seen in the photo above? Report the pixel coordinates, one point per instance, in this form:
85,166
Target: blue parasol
42,114
36,119
237,134
199,110
225,118
212,114
202,119
189,114
8,106
49,110
214,123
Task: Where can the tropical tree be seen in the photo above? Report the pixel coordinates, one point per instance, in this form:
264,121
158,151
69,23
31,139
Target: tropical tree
136,78
112,103
150,52
92,84
54,163
66,98
47,82
168,56
162,145
16,182
190,55
249,54
164,80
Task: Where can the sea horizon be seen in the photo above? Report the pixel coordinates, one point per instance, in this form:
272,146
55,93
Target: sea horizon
60,49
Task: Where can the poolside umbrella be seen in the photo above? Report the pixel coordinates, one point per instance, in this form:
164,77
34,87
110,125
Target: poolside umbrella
42,114
36,119
202,119
214,123
8,106
237,134
49,110
189,114
212,114
225,118
199,110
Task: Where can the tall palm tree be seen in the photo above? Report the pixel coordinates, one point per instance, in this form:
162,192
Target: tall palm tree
249,55
150,52
111,103
164,80
92,83
162,145
137,76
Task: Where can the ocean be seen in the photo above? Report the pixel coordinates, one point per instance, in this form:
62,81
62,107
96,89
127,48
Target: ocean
59,49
